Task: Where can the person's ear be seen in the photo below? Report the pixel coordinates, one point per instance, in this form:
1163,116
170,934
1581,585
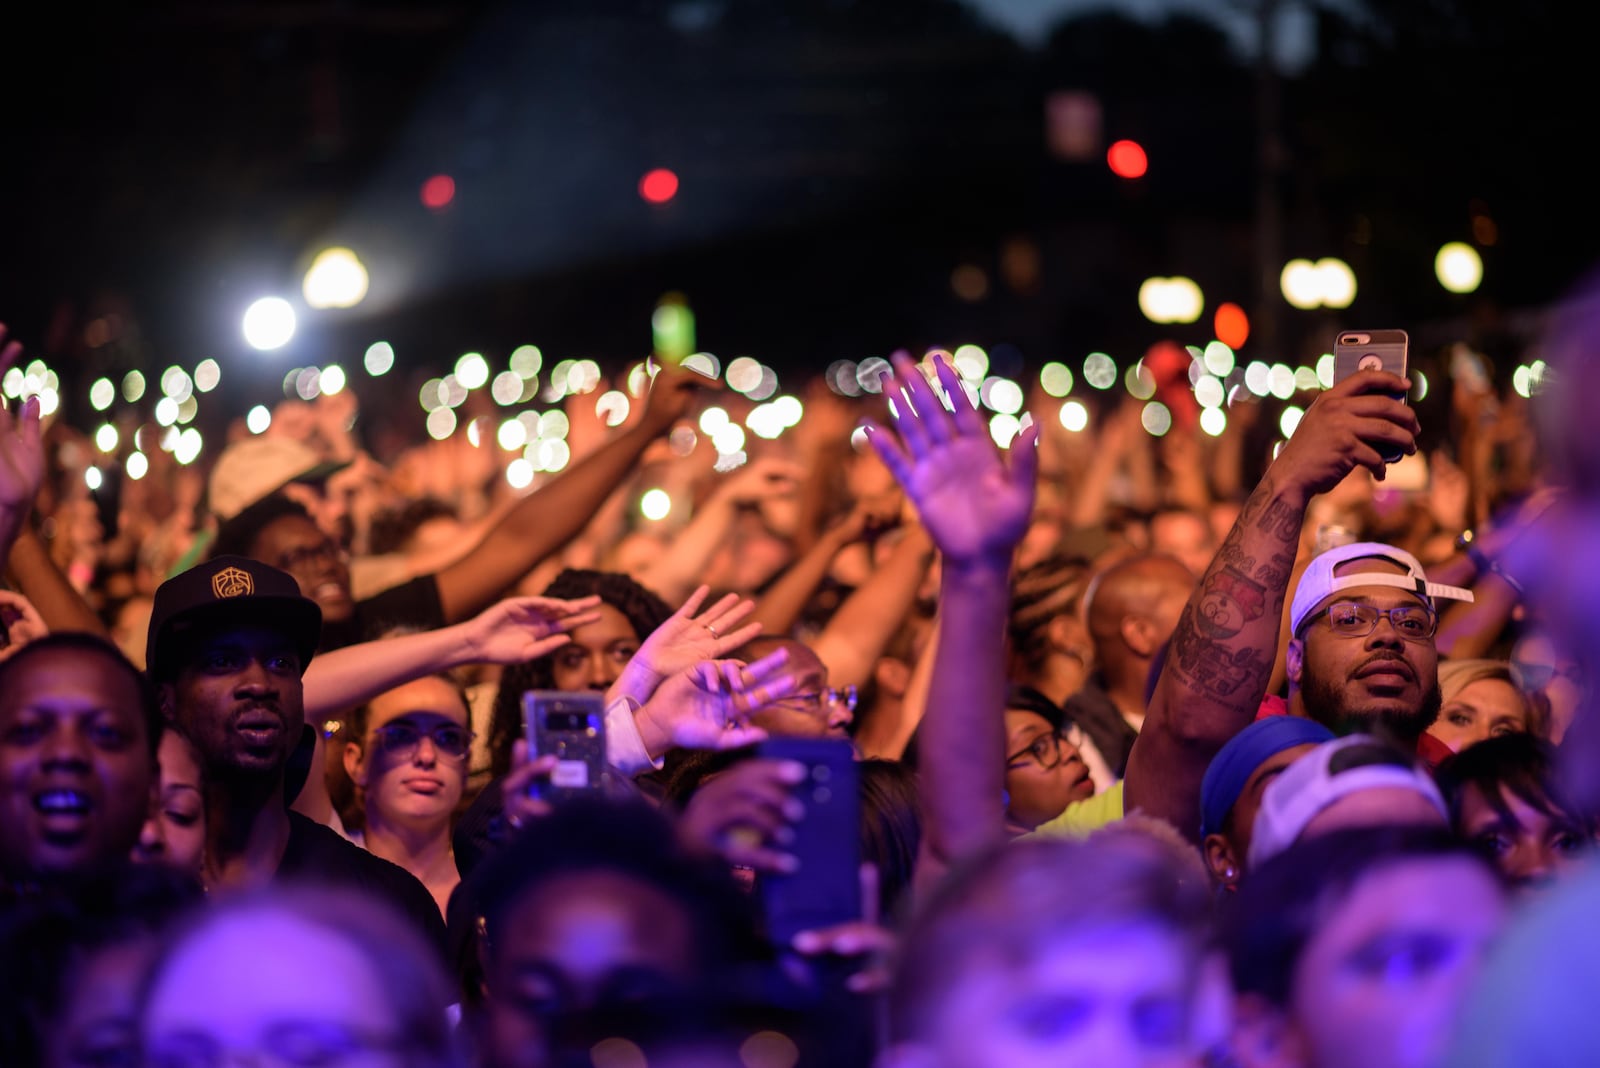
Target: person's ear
1225,867
355,764
1294,659
1263,1035
167,699
892,675
1139,636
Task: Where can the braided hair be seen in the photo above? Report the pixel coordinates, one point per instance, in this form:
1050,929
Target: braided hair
1040,593
644,610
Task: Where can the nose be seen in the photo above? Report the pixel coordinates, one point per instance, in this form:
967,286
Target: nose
602,671
152,844
255,679
1384,635
1534,864
65,745
839,714
426,754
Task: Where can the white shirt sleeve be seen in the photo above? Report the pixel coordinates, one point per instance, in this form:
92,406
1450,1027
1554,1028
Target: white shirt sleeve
625,749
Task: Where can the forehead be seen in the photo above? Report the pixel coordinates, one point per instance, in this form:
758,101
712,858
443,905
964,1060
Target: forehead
422,698
612,626
202,986
288,531
79,676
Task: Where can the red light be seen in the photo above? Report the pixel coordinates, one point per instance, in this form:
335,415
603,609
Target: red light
1232,325
438,192
659,186
1127,160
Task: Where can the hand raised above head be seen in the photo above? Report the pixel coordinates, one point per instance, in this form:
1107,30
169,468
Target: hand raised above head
21,447
672,391
975,501
526,628
1351,425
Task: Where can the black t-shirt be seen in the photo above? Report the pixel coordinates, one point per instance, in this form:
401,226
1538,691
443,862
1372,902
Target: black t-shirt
410,604
316,852
1092,709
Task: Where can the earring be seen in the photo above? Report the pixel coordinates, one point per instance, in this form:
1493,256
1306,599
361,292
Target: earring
1228,873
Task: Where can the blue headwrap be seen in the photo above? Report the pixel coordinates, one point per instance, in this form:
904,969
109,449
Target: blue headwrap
1235,762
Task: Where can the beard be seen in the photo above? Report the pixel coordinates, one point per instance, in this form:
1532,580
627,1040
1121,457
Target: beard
1326,702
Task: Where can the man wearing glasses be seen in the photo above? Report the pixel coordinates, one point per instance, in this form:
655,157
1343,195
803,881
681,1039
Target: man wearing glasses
1362,656
229,641
815,709
1361,653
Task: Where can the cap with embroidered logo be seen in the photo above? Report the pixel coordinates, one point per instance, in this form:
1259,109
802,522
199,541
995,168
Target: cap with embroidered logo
227,591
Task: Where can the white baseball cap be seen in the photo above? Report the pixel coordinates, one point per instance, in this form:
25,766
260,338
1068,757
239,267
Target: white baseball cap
1331,771
258,467
1318,583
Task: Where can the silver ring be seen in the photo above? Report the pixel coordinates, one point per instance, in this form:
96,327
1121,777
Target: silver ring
713,630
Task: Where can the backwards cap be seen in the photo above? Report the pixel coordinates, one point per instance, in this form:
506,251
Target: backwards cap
1318,583
1329,772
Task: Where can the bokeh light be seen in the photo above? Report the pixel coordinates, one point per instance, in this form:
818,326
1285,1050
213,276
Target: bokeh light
472,371
258,419
1171,300
438,192
1056,379
137,465
1157,418
655,505
132,386
441,423
1003,427
1327,283
1214,421
379,358
1140,382
268,324
105,438
333,379
1458,267
658,186
1074,416
207,375
1231,324
336,279
1218,359
1290,420
102,394
1100,370
971,362
1127,159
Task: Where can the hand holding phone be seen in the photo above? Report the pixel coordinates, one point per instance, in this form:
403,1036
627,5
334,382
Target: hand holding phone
1371,350
824,889
570,726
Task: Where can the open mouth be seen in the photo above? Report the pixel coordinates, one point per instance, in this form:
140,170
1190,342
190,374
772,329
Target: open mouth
328,591
259,728
63,812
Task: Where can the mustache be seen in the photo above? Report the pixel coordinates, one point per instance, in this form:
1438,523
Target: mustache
268,705
1386,658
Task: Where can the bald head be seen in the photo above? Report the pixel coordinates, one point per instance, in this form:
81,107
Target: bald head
807,713
1133,608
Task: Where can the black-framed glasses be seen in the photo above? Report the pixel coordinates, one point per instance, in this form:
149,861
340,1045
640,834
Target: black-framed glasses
1352,619
400,740
1045,750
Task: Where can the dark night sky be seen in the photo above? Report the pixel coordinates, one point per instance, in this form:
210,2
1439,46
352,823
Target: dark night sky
839,159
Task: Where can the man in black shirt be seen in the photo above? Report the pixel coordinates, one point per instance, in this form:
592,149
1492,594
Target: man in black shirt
229,641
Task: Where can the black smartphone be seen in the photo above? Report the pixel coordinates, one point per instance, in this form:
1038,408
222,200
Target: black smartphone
826,888
571,725
1371,350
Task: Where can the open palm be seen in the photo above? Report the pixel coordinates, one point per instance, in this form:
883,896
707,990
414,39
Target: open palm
973,501
21,450
690,636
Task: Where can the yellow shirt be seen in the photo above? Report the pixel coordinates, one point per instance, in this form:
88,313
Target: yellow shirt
1090,814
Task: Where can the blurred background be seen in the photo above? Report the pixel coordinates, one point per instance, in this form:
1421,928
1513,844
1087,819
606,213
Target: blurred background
808,184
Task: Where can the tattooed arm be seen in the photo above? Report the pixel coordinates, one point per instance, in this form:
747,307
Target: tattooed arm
1220,661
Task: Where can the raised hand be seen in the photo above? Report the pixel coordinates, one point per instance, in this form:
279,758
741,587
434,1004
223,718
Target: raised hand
672,391
709,706
22,622
21,450
975,503
517,788
743,815
760,480
1349,426
526,628
685,639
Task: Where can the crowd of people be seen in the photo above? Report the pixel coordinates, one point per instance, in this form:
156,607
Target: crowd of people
894,745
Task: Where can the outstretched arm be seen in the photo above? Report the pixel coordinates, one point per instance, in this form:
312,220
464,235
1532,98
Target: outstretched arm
1222,652
545,521
945,462
864,624
512,631
21,454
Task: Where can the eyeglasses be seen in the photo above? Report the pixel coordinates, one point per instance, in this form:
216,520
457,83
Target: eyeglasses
1045,750
836,695
326,551
293,1043
400,740
1351,619
1531,678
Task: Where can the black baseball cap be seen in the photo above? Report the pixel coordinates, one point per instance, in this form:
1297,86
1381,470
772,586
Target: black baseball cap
227,591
